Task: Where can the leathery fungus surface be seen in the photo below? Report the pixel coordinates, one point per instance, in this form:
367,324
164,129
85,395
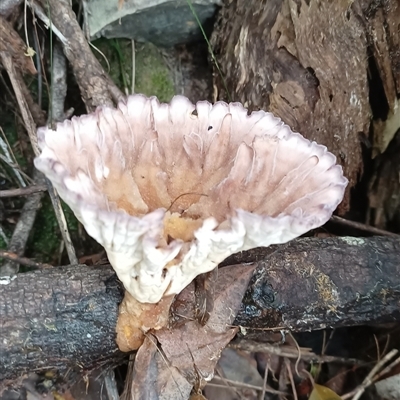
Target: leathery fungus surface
171,190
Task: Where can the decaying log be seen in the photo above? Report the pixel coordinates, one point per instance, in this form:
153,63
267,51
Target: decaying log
58,318
65,317
322,66
311,284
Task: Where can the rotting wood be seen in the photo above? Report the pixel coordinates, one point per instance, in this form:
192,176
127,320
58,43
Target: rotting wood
311,284
324,67
15,47
65,317
58,318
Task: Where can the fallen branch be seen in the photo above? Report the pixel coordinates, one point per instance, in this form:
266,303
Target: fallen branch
30,126
65,317
23,191
20,236
8,255
97,88
311,284
363,227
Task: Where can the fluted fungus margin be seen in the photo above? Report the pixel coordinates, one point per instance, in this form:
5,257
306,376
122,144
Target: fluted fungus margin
171,190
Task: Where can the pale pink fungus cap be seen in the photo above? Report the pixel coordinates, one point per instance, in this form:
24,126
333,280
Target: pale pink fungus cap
171,190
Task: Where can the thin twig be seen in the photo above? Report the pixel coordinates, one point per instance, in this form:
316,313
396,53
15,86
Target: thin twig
7,146
22,230
126,394
387,369
26,25
41,76
16,168
30,126
111,385
42,16
23,191
133,67
8,255
56,111
23,106
3,236
59,83
289,352
10,162
262,395
219,375
296,365
39,59
243,385
362,227
369,379
289,371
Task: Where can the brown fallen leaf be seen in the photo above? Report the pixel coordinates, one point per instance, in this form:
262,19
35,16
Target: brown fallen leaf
204,295
187,352
154,377
238,367
201,342
195,349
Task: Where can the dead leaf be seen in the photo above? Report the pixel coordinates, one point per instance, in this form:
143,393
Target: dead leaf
188,351
155,378
231,286
204,295
195,349
323,393
239,367
200,342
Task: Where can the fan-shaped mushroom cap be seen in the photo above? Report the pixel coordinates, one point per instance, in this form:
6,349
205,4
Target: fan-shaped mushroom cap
171,190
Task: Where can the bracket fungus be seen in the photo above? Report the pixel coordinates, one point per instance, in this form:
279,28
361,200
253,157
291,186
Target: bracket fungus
171,190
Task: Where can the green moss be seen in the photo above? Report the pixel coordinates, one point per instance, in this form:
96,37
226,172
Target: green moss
3,244
152,75
45,238
115,58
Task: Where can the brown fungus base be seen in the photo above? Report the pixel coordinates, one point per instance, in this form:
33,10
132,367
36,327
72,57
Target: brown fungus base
135,319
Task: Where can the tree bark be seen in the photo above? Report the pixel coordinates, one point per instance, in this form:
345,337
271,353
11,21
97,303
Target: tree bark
311,284
324,67
65,317
58,318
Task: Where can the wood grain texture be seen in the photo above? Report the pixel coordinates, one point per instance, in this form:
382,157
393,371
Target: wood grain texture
64,318
310,62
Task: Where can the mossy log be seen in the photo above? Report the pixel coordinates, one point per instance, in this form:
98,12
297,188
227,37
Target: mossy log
64,317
